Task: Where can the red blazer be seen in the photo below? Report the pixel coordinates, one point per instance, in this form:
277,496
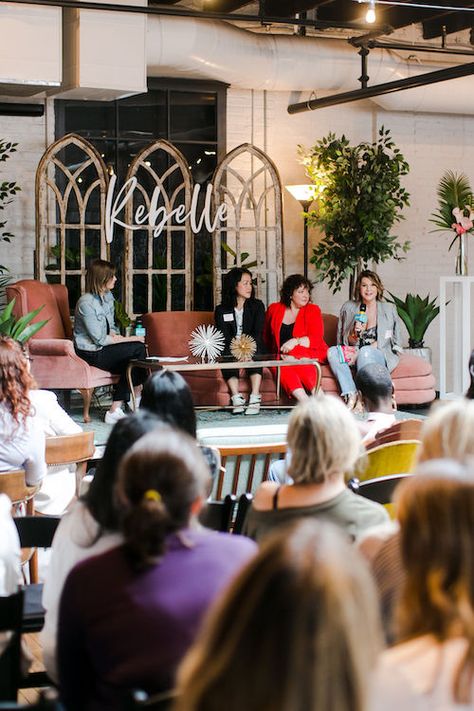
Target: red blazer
309,322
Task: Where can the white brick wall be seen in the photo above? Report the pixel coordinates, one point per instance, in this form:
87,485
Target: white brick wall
431,144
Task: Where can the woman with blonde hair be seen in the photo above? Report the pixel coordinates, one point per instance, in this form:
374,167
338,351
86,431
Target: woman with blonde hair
433,667
448,433
297,631
325,444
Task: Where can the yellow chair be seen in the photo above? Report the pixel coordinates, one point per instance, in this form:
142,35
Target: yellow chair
391,458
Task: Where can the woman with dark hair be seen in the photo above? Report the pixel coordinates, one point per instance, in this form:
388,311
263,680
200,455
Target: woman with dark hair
128,616
240,313
90,527
97,340
296,631
368,332
433,665
169,397
294,328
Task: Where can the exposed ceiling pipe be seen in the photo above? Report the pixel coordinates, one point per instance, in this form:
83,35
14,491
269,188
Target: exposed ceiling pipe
249,60
380,89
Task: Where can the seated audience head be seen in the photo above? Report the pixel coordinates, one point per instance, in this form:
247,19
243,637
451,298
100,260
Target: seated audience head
436,515
448,433
15,379
99,274
324,440
470,391
169,397
291,284
229,286
316,656
375,385
99,498
163,482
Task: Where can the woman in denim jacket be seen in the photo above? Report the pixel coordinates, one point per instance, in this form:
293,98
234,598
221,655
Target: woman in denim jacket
97,339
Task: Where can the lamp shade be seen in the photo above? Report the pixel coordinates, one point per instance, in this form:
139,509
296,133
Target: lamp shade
302,193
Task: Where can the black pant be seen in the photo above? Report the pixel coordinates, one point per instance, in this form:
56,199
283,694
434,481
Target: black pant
116,358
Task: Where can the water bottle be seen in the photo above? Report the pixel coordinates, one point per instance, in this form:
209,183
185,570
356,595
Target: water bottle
139,327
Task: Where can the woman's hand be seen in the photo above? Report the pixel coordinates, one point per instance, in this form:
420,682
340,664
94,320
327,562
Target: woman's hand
117,338
289,345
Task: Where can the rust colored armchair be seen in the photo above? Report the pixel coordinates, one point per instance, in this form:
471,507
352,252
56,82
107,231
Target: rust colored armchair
55,364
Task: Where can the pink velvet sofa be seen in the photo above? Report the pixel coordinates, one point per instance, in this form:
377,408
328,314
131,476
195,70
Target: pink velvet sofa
168,334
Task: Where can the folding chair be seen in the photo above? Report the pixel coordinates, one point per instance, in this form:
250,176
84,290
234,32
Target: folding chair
11,611
218,515
380,489
400,430
242,507
391,458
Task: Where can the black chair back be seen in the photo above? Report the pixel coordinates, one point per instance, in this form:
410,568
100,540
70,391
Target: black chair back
138,699
242,507
380,489
218,515
11,612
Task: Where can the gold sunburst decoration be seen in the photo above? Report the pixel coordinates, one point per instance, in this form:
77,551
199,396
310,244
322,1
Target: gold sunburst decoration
243,348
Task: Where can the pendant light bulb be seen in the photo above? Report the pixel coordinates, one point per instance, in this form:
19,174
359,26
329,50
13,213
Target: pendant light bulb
370,16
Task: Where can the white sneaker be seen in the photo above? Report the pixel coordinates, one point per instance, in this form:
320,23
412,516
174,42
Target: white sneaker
253,407
112,417
238,402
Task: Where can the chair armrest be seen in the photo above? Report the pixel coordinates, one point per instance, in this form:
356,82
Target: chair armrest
51,347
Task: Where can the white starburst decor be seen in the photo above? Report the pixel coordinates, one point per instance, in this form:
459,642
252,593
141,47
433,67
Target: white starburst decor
207,343
243,348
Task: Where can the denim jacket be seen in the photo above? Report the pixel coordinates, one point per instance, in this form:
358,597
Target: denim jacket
94,323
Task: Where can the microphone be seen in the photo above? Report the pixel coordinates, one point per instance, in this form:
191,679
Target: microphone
360,319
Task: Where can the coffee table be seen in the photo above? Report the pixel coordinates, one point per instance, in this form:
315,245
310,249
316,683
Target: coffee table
190,364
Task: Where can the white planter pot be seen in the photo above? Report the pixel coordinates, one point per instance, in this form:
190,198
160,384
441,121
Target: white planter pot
424,353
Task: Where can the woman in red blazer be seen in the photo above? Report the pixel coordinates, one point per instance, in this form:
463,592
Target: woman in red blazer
294,328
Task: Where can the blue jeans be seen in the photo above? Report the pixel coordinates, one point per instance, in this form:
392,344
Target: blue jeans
342,371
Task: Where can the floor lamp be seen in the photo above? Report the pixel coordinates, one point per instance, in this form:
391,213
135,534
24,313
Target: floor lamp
305,196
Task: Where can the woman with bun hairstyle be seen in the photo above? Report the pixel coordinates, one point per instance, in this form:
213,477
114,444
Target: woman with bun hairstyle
294,328
128,616
240,313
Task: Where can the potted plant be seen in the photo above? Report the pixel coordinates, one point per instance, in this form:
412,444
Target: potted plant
417,314
360,197
21,329
455,213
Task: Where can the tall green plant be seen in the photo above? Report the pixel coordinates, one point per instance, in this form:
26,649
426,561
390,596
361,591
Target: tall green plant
361,199
21,329
454,191
8,190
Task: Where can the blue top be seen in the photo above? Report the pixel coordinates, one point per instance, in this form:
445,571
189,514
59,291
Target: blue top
94,322
119,629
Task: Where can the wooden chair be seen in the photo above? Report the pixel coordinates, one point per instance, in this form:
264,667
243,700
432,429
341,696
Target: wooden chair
218,515
400,430
245,459
390,458
75,449
13,484
11,610
48,701
380,489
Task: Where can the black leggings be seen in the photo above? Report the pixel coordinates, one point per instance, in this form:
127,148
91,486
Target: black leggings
116,358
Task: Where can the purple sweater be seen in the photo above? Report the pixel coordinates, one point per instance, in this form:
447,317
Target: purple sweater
120,630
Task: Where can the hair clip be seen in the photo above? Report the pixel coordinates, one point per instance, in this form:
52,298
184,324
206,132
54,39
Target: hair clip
152,495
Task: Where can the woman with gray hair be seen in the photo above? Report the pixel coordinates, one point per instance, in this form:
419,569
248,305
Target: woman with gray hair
325,445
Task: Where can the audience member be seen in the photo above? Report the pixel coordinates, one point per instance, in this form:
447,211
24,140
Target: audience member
97,339
168,396
375,386
294,327
90,527
296,631
128,616
448,432
470,391
433,666
325,445
368,332
240,313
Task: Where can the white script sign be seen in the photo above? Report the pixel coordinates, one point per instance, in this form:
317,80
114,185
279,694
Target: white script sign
157,217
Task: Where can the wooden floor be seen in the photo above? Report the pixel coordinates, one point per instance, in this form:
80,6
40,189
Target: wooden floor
30,696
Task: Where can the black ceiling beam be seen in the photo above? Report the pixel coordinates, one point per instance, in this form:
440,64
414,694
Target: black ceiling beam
196,14
390,87
12,109
223,5
372,43
452,22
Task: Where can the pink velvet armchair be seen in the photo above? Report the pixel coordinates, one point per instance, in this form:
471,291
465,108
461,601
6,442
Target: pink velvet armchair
55,364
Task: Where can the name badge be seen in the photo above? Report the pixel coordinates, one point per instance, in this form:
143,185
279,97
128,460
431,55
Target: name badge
228,317
388,333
